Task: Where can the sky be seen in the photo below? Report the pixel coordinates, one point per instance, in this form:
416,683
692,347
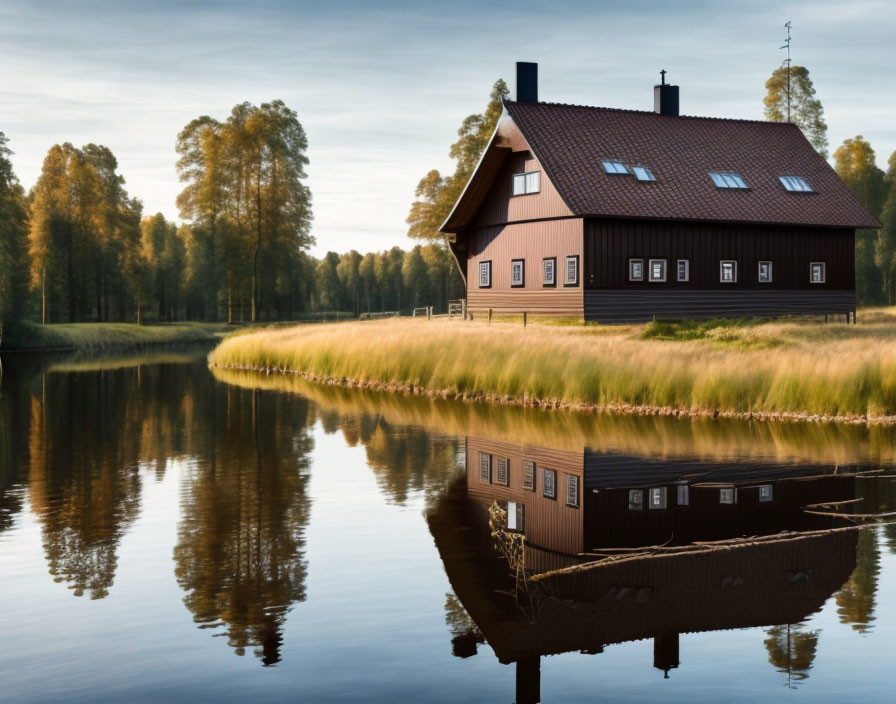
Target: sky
381,87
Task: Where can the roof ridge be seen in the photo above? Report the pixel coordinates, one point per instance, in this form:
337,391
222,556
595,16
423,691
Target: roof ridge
649,112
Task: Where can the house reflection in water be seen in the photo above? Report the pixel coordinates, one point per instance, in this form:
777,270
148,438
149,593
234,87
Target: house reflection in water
568,504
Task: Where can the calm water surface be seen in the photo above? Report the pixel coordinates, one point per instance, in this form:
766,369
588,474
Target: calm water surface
170,534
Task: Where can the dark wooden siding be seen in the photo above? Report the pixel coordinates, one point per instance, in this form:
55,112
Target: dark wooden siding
609,244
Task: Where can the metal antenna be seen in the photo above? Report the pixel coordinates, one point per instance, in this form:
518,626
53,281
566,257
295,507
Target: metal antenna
786,45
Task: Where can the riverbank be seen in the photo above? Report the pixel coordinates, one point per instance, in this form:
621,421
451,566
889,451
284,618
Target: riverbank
793,370
107,336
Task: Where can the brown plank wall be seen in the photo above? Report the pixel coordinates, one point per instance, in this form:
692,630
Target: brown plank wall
549,523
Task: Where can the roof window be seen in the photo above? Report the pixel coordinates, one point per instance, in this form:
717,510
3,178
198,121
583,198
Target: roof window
727,180
615,167
642,173
796,183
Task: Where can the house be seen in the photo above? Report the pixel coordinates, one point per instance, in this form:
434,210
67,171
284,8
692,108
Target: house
624,215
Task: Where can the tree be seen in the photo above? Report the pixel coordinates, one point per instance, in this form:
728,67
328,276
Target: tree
414,279
805,110
855,163
886,236
436,194
13,241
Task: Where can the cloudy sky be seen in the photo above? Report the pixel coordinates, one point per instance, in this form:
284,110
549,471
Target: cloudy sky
381,87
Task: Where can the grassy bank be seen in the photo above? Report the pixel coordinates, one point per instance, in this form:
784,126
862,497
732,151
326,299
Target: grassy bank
106,336
728,367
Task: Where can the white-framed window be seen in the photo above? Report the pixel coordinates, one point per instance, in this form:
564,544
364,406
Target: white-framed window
765,272
816,272
656,269
549,482
485,467
728,496
615,167
485,274
635,499
529,475
517,272
657,497
684,270
766,492
526,183
728,271
726,179
572,270
516,516
502,471
572,490
549,271
684,495
795,183
635,269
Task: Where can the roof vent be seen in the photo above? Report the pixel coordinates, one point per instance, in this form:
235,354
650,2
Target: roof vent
665,97
526,82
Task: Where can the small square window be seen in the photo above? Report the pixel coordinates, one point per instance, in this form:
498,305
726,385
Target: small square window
642,173
529,475
502,471
533,182
636,499
550,483
572,270
684,495
765,272
517,273
485,467
572,490
657,498
766,492
657,269
816,272
683,270
615,167
728,271
635,269
549,271
516,516
485,274
519,184
728,496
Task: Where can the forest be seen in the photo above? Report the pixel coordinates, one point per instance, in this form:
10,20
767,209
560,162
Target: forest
78,247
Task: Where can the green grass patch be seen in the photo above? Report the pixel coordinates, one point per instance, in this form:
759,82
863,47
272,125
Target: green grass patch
107,336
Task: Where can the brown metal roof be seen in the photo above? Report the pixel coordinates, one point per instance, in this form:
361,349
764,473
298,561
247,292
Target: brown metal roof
571,141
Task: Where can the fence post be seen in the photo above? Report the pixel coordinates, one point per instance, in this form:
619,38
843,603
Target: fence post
489,316
524,319
429,313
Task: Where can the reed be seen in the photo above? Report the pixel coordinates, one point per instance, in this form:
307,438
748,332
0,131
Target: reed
107,336
760,367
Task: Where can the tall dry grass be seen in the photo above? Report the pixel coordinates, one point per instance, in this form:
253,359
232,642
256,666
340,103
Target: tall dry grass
767,367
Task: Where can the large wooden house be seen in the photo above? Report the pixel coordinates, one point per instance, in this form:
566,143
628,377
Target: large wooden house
624,215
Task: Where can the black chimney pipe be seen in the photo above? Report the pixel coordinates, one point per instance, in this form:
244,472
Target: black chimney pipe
526,82
665,97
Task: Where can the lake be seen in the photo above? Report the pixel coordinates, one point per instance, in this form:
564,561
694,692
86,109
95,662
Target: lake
174,533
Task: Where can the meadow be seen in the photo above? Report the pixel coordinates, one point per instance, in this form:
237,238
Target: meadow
94,337
783,368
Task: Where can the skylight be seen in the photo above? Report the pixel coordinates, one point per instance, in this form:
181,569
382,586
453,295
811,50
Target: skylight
642,173
727,180
796,183
615,167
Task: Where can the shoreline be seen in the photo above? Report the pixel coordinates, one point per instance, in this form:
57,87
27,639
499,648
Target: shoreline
558,405
108,337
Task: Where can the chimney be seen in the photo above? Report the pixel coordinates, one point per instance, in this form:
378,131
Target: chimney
526,82
665,97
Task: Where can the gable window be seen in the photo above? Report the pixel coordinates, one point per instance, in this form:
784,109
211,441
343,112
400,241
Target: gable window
516,516
635,499
526,183
549,271
657,269
517,272
765,272
728,271
572,490
572,270
502,471
642,173
485,274
816,272
658,498
727,180
550,483
684,495
766,492
615,167
529,475
635,269
796,184
684,270
485,467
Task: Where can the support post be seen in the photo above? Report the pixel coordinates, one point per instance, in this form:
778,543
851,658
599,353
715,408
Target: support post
489,316
524,319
